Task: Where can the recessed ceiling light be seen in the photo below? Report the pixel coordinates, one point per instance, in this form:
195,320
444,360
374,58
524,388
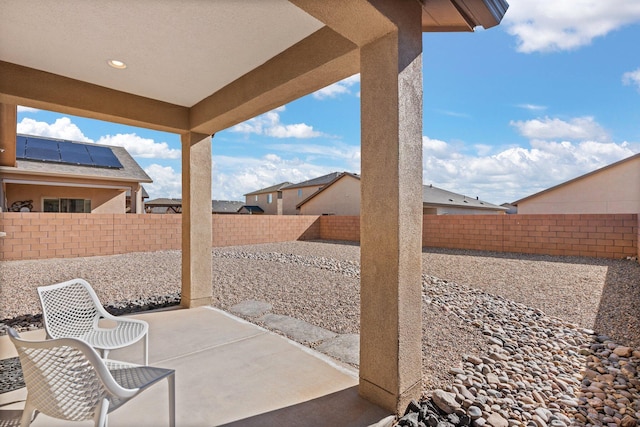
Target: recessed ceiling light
117,64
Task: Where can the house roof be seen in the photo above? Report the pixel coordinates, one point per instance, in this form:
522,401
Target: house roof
217,206
251,209
434,196
321,180
328,184
226,206
130,171
271,189
431,196
581,177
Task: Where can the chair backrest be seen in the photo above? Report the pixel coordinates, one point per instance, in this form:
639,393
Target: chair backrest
69,309
65,377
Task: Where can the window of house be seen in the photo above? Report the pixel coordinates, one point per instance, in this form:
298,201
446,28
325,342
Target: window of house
300,192
269,198
256,197
66,205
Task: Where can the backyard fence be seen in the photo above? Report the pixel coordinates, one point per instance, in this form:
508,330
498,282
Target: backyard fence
59,235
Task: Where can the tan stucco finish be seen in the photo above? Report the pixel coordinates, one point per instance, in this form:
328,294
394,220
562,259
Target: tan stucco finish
614,189
196,220
8,119
340,198
391,227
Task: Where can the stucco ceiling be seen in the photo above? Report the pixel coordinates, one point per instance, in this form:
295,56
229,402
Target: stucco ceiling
175,51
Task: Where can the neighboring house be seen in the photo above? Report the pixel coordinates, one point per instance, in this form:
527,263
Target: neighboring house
293,194
612,189
342,197
54,175
174,206
144,196
251,210
268,199
511,209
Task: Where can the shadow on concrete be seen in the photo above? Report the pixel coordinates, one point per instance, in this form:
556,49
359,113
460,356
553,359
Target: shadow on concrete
343,408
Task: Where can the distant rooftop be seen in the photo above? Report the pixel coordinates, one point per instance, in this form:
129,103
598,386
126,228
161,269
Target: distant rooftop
271,189
321,180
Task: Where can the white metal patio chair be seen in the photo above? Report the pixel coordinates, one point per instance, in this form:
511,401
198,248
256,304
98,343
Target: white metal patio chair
67,379
72,309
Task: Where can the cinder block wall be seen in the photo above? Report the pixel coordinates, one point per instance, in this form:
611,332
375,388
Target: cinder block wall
591,235
51,235
61,235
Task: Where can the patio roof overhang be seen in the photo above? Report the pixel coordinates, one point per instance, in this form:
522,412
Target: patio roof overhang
191,66
196,67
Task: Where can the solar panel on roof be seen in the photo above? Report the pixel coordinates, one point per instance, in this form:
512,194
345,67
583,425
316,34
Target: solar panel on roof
74,153
21,147
103,157
43,153
46,150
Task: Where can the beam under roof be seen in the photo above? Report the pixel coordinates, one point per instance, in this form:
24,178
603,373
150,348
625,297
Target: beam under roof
319,60
34,88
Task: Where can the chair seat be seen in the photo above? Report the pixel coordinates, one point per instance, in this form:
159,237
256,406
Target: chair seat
124,333
72,309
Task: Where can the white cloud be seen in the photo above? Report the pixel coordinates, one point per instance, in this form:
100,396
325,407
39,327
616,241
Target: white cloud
579,128
141,147
269,124
552,25
62,128
22,109
235,176
532,107
632,78
339,88
512,173
166,182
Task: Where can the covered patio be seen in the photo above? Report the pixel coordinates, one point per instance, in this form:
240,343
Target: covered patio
228,372
194,68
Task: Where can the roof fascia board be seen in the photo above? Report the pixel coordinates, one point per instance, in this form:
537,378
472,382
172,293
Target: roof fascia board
319,60
26,86
17,171
64,184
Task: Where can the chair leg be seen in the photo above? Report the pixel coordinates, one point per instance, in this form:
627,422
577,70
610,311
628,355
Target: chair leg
172,399
27,413
105,353
100,418
146,349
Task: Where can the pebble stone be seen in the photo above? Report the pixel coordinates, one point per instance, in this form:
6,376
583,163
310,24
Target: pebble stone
536,370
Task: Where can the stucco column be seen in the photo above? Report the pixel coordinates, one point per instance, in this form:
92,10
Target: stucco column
391,213
196,220
8,124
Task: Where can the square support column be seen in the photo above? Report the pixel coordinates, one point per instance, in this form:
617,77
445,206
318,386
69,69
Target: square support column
196,220
391,214
8,129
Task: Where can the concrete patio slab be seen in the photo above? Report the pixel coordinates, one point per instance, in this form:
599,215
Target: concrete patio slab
231,372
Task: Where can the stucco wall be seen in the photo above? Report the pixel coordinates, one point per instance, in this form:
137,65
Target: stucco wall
613,190
341,198
290,198
263,202
108,201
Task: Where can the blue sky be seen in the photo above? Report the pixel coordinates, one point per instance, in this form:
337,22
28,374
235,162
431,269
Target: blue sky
550,94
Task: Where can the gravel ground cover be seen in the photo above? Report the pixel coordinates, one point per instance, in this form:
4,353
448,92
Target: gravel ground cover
319,282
